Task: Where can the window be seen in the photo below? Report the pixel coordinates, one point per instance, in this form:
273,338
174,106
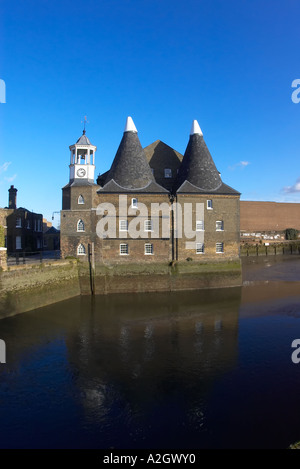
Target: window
148,225
39,225
45,244
18,222
152,171
80,225
148,249
209,205
18,242
81,250
123,225
168,173
219,247
134,203
219,225
28,224
38,243
81,199
123,249
34,225
199,248
200,225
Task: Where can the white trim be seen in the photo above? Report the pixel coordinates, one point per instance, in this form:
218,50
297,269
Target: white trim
147,230
81,222
84,250
202,246
148,253
120,223
124,253
136,205
202,222
222,223
222,245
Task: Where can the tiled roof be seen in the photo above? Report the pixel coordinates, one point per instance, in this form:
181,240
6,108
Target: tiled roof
130,169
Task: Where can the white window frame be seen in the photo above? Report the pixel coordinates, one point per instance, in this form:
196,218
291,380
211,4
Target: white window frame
209,204
124,227
124,247
80,224
222,225
18,222
168,173
147,245
18,242
199,248
28,224
80,200
134,203
200,225
81,250
218,246
148,223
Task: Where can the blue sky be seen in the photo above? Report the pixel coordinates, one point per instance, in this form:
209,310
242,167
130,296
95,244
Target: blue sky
230,65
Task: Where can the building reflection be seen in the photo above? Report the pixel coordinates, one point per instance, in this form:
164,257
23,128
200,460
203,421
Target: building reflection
138,370
153,356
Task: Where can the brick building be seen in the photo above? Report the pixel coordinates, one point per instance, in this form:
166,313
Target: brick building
267,220
153,205
23,229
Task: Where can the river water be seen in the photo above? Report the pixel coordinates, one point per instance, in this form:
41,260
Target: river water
206,369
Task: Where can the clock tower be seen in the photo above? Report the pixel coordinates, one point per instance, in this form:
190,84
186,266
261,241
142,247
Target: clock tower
82,161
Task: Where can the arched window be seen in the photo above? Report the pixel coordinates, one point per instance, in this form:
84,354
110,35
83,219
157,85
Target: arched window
81,250
81,199
80,225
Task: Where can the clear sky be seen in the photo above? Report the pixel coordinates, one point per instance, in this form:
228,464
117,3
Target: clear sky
228,64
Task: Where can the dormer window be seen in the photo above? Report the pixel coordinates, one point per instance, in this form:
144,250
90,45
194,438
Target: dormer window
134,203
80,200
168,173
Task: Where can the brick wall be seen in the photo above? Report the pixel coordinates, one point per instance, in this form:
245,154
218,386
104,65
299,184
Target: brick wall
269,216
225,209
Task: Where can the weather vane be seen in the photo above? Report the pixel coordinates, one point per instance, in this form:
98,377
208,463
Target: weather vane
84,122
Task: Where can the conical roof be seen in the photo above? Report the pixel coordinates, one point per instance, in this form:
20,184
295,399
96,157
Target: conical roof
83,140
198,167
130,168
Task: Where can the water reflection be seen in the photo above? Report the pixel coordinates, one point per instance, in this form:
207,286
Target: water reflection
134,371
207,369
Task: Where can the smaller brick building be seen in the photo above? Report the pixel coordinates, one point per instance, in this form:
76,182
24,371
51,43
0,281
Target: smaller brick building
23,229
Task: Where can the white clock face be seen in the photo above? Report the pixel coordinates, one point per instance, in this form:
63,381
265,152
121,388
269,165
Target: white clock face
81,172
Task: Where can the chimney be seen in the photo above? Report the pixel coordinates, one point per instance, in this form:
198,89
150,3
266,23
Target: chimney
12,197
